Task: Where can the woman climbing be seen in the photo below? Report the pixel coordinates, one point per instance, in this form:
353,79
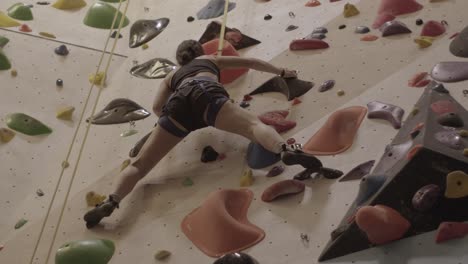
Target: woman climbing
192,98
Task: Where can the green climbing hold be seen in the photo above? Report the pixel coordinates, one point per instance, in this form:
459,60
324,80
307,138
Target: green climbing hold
20,223
3,41
98,251
27,125
187,182
4,62
162,255
20,11
101,15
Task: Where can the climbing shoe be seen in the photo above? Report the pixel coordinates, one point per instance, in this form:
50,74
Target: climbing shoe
101,210
298,157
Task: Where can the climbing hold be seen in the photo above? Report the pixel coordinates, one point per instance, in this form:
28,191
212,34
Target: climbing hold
267,17
93,199
296,101
20,223
282,188
369,38
426,197
340,93
456,185
362,30
114,35
20,11
451,71
25,28
125,164
187,182
413,151
419,22
209,154
458,46
277,119
327,85
101,15
59,82
291,88
128,133
3,41
233,36
143,31
39,192
312,3
381,224
463,133
47,35
65,113
98,251
443,107
247,178
308,44
341,26
65,164
190,19
418,80
4,62
244,104
291,28
6,135
450,120
369,186
275,171
6,21
61,50
236,258
433,29
414,111
465,152
117,1
144,46
97,78
69,4
247,98
42,3
304,175
438,87
451,230
388,112
258,157
162,255
315,36
338,133
322,30
119,111
359,171
398,7
394,27
330,174
424,42
382,19
350,10
214,8
157,68
27,125
290,141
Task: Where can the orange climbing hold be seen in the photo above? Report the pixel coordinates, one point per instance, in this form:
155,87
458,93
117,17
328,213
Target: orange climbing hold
369,38
296,101
25,28
415,150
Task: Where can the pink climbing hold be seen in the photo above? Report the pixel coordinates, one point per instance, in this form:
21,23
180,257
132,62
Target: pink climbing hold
451,230
369,38
454,35
443,107
308,44
296,101
313,3
282,188
277,120
25,28
381,224
398,7
419,80
433,29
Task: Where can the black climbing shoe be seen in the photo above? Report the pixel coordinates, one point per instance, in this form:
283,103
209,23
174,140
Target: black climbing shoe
298,157
101,210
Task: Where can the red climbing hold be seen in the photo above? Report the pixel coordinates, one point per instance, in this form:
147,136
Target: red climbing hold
296,101
443,107
307,44
419,80
312,3
451,230
282,188
290,141
25,28
433,29
454,35
247,98
369,38
382,19
399,7
277,120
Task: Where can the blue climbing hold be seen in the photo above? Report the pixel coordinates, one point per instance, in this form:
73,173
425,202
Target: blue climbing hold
369,186
258,157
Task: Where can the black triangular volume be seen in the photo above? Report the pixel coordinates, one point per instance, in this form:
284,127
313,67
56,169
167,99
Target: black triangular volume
213,30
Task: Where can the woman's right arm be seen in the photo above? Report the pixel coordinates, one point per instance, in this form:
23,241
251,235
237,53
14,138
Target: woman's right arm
233,62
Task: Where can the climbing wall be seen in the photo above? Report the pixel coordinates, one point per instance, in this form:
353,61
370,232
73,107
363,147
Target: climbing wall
149,220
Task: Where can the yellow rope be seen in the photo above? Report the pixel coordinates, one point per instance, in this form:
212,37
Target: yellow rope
76,133
223,28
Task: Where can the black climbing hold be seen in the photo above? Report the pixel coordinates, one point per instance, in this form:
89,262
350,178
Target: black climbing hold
190,19
291,28
322,30
59,82
61,50
419,22
342,27
292,15
244,104
209,154
330,173
267,17
362,30
114,34
236,258
305,174
450,120
438,87
43,3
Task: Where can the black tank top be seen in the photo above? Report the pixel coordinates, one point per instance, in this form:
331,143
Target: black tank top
193,68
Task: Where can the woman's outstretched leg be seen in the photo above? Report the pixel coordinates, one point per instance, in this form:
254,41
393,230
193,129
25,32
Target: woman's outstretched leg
156,147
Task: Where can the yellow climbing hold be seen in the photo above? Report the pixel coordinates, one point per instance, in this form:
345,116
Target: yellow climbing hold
457,185
6,21
415,111
97,79
465,152
47,35
14,73
340,93
247,179
144,46
463,133
69,4
65,113
350,10
162,255
125,164
6,135
93,199
65,164
424,42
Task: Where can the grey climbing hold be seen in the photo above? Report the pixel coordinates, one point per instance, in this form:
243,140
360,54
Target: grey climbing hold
459,45
394,27
59,82
61,50
143,31
114,34
362,30
450,71
190,19
214,8
450,120
438,87
316,36
322,30
359,171
329,173
451,138
157,68
291,28
327,85
391,113
369,185
39,192
236,258
119,111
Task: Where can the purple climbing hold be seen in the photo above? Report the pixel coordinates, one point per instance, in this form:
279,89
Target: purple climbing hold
316,36
451,138
426,197
62,50
450,120
450,71
394,27
305,174
275,171
327,85
359,171
391,113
